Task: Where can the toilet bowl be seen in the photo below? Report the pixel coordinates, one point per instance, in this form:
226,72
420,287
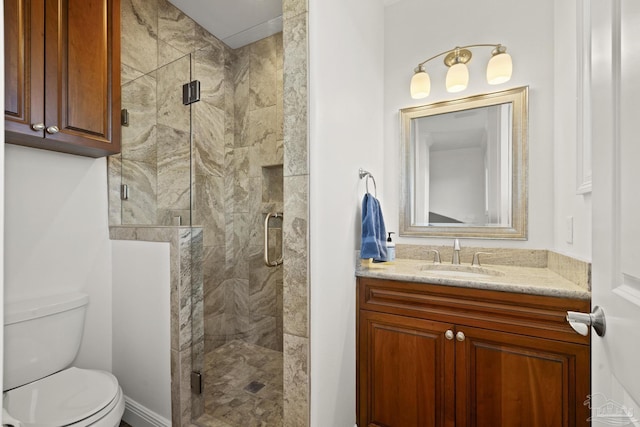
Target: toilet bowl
42,338
72,397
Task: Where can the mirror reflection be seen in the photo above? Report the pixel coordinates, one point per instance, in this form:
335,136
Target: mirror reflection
464,167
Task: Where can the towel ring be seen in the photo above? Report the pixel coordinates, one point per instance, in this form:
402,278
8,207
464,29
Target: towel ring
366,174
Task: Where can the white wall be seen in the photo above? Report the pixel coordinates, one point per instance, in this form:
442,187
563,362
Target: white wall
141,316
346,81
416,30
57,237
567,202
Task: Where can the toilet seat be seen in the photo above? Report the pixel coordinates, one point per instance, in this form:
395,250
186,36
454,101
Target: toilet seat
72,397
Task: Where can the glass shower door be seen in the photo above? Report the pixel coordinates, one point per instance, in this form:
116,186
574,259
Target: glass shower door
156,148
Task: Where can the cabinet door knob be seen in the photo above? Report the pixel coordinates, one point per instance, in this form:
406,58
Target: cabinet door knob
460,336
53,129
449,334
37,127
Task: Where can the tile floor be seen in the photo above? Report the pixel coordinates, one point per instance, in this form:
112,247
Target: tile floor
242,387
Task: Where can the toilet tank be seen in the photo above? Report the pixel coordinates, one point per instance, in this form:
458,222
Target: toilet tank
41,336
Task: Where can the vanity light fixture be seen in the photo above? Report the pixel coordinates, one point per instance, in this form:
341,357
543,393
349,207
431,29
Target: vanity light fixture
499,69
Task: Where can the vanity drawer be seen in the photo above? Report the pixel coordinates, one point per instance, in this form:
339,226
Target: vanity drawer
532,315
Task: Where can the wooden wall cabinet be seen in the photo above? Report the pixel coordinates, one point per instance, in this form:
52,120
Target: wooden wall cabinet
432,355
62,75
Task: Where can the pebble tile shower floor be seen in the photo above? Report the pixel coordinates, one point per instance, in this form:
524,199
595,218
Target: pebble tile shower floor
242,387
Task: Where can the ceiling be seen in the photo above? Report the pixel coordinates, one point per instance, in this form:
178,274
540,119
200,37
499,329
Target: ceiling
235,22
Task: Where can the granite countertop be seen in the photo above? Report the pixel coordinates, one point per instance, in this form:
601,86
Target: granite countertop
525,280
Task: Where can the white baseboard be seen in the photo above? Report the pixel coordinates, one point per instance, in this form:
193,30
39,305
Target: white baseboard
140,416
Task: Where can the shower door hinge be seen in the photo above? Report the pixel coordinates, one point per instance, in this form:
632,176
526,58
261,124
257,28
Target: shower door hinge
124,117
196,382
124,192
191,92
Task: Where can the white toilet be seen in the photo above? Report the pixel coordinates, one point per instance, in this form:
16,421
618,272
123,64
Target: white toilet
41,338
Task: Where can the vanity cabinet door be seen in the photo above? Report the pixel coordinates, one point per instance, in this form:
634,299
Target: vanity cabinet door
23,67
62,75
406,372
515,380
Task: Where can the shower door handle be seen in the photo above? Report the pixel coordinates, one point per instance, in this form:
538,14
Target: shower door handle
266,240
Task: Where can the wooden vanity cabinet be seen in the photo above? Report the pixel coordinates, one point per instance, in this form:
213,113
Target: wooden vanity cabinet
431,355
62,75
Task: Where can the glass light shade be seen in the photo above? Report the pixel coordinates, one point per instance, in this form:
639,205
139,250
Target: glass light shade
457,78
499,69
420,85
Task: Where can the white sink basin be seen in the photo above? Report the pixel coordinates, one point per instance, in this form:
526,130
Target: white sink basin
468,271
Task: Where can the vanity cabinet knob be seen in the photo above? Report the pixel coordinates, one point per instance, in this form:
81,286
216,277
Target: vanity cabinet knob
53,129
460,336
449,335
37,127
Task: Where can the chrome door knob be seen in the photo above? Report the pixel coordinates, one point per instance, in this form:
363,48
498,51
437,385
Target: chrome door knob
53,129
580,322
449,335
460,336
38,127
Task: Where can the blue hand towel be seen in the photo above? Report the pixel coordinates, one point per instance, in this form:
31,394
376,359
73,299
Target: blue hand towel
374,243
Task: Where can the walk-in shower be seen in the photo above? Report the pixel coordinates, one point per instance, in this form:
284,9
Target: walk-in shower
216,164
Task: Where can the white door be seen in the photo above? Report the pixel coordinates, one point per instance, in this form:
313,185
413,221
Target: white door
615,90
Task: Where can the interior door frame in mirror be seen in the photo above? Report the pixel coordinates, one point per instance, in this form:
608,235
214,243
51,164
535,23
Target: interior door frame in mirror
517,230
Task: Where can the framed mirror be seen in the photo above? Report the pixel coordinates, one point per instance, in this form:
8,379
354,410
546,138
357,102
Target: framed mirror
464,167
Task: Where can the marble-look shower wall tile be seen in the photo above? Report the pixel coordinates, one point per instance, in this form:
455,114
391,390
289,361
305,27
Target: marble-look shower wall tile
114,180
242,89
208,68
242,189
279,54
173,217
204,39
209,209
140,207
127,74
139,137
237,315
171,111
139,38
208,137
168,54
175,388
215,295
229,103
185,387
197,286
262,332
174,168
215,331
280,105
262,138
229,180
262,73
262,284
185,290
238,250
272,184
296,381
291,8
279,319
175,28
295,96
295,235
197,400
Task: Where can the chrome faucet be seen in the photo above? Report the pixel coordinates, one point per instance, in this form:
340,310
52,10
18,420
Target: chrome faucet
456,252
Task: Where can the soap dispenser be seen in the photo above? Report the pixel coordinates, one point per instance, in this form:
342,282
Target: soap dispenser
391,248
